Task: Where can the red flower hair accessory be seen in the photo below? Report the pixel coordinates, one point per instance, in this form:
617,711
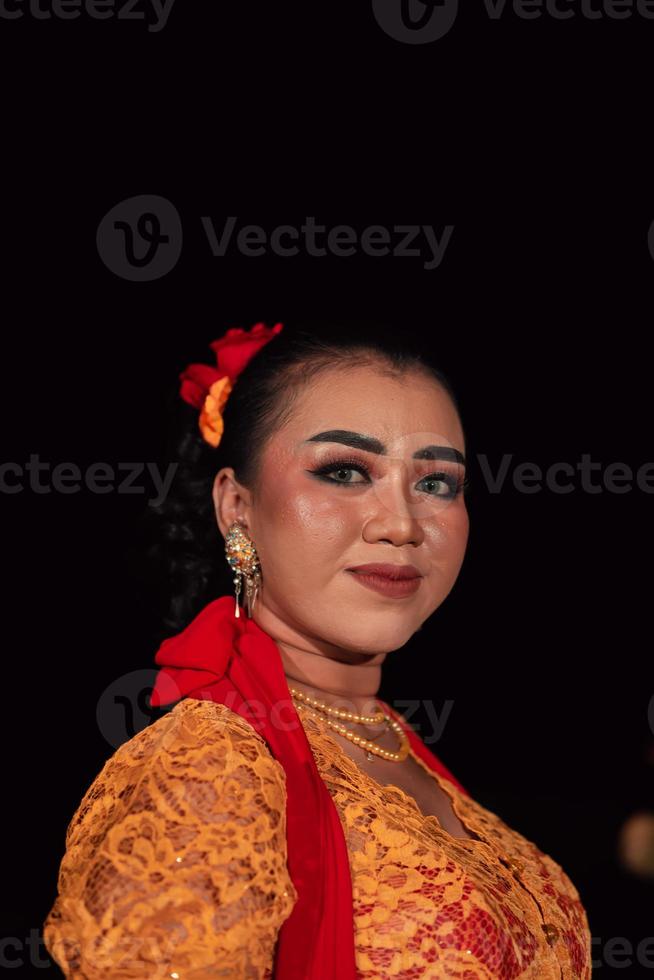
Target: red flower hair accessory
207,388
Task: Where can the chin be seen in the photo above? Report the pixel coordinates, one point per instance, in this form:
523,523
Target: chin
374,636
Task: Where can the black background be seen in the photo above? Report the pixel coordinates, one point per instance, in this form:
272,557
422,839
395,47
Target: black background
532,139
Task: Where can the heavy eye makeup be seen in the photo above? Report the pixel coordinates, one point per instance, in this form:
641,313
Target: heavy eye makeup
455,484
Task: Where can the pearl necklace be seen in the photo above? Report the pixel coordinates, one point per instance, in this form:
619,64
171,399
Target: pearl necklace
306,703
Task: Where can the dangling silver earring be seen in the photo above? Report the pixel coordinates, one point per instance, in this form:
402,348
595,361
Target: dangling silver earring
242,556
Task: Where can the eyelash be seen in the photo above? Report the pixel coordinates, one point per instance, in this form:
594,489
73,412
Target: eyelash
329,466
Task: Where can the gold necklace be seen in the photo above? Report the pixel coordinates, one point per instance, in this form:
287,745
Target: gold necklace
370,747
338,712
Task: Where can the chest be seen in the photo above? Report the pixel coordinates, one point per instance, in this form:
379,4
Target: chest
409,776
412,779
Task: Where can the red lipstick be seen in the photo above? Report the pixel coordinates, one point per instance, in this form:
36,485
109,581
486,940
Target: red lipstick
387,579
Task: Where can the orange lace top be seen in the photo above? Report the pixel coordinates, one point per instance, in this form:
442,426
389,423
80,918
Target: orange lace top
175,867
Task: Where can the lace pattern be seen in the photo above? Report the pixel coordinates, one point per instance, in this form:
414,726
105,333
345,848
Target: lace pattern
175,859
428,904
175,864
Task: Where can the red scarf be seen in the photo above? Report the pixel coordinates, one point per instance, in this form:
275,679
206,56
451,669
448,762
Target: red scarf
233,661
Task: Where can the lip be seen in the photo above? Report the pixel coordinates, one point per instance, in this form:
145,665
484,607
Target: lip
386,570
393,588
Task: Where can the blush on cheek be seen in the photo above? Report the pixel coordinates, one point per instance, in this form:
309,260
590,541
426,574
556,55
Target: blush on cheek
313,530
313,509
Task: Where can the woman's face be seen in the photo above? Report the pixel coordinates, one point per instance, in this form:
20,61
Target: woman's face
309,528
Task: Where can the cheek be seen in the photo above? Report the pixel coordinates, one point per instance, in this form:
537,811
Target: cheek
460,525
447,535
307,516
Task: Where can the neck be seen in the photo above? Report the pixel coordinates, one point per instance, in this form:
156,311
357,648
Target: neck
340,678
347,686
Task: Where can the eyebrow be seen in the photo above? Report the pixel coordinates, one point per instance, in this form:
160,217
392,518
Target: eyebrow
371,445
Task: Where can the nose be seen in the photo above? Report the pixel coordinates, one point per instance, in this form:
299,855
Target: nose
394,517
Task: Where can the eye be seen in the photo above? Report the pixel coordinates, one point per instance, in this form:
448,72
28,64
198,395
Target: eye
340,466
453,485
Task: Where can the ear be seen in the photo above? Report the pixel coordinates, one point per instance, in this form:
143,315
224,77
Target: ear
230,500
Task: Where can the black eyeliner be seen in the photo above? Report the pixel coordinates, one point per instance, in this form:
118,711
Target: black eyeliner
455,486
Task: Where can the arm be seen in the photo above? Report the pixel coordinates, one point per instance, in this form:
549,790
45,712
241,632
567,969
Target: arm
176,858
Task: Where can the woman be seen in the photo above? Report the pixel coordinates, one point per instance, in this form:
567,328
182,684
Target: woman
281,820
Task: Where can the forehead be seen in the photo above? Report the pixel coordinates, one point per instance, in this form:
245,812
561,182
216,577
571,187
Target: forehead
404,413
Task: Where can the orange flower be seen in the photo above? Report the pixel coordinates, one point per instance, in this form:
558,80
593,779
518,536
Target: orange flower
207,388
211,419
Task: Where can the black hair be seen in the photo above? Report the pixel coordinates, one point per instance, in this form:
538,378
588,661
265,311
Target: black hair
186,555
